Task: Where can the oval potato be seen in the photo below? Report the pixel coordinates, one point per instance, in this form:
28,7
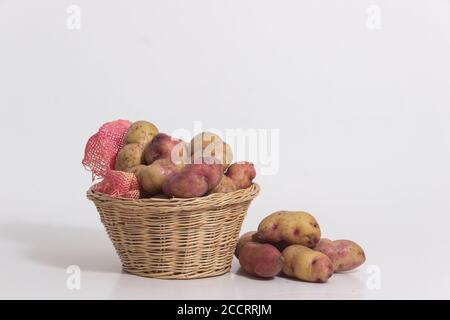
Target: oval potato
290,227
344,254
141,132
262,260
131,155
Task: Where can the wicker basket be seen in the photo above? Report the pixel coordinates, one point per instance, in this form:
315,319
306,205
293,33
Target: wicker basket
175,238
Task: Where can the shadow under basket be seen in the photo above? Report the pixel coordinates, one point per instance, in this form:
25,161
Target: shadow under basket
175,238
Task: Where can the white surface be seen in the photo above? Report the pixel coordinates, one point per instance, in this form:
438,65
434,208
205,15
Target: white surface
38,255
363,118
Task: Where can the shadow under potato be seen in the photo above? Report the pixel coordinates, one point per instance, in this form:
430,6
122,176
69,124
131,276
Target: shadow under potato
61,246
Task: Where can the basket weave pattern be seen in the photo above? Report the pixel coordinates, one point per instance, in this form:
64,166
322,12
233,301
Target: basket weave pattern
175,238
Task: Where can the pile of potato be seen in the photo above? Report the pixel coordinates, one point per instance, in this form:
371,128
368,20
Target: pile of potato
168,167
290,241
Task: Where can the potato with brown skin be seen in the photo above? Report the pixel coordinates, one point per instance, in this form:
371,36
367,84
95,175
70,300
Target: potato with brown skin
242,174
141,132
290,227
202,140
131,155
219,150
246,237
306,264
152,177
164,146
225,185
260,259
195,180
344,254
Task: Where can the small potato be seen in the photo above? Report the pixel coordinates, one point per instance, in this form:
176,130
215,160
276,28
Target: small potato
246,237
164,146
195,180
141,132
306,264
225,185
202,140
262,260
242,174
152,177
131,155
290,227
344,254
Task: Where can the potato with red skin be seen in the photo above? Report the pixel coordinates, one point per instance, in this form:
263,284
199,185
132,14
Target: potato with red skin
289,227
246,237
195,180
163,146
260,259
208,168
344,254
242,174
186,184
225,185
306,264
152,177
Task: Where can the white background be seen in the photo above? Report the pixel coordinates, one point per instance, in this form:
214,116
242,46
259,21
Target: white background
363,117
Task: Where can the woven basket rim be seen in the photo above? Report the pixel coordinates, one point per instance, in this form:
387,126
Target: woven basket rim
215,199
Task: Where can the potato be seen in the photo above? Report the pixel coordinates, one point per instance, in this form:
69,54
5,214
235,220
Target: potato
164,146
344,254
306,264
246,237
202,140
260,259
209,169
225,185
131,155
218,150
141,132
152,177
290,227
242,174
185,185
195,180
